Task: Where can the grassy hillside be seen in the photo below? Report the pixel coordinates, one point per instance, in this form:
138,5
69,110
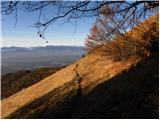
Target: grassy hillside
131,94
14,82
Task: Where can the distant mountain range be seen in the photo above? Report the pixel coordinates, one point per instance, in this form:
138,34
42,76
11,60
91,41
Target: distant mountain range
14,48
23,58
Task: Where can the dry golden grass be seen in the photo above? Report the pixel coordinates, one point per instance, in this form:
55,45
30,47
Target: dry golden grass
93,68
14,82
108,89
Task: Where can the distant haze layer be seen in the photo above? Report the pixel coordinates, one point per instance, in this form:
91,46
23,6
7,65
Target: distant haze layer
21,58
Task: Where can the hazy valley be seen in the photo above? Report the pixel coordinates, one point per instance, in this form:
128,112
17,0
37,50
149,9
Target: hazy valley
19,58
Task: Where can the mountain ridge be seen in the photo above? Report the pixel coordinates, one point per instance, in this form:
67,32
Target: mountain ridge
48,46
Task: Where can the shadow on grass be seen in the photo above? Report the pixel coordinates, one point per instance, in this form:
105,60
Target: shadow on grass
133,94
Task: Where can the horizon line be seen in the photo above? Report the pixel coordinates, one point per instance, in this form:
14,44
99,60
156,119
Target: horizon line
43,46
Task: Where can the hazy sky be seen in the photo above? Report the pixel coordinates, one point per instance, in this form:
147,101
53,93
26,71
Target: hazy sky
24,35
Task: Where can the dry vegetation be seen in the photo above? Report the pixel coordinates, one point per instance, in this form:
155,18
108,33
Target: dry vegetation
138,42
130,94
14,82
93,70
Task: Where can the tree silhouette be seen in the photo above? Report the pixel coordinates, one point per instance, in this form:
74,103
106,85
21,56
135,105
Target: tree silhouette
121,14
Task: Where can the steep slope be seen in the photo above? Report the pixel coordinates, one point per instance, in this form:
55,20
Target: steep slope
93,69
131,94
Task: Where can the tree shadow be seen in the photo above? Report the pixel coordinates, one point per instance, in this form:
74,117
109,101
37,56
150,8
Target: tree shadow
133,94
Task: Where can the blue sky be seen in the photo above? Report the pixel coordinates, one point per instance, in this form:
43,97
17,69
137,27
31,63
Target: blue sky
24,35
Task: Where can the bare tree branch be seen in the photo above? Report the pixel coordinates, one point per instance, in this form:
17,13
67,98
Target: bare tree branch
122,14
